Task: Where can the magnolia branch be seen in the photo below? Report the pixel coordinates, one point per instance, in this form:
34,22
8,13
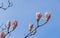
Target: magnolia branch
7,28
9,5
9,32
38,17
30,34
9,25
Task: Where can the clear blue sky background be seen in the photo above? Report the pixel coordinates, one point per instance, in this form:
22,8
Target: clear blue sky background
24,12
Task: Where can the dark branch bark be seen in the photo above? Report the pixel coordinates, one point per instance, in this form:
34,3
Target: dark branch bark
9,5
30,34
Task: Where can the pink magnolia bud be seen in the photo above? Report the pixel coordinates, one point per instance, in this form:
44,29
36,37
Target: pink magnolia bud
34,31
48,15
2,35
38,16
30,26
14,24
8,24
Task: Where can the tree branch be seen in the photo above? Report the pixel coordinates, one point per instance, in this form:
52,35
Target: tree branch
30,34
9,5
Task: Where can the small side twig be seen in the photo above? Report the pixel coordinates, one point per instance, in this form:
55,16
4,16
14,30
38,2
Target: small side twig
9,32
9,5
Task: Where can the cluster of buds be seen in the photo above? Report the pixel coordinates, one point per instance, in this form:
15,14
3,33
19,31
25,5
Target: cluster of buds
38,17
3,34
14,24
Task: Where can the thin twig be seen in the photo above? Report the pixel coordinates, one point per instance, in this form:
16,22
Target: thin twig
9,32
29,34
9,5
1,25
5,29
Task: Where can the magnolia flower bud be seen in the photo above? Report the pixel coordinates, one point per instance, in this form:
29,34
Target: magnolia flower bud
14,24
30,26
48,15
34,31
2,35
8,24
38,16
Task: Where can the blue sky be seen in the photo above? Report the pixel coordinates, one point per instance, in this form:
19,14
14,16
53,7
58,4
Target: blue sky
24,12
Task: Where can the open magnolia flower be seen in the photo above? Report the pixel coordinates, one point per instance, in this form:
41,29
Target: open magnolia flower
30,26
2,35
48,15
8,24
38,16
14,24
